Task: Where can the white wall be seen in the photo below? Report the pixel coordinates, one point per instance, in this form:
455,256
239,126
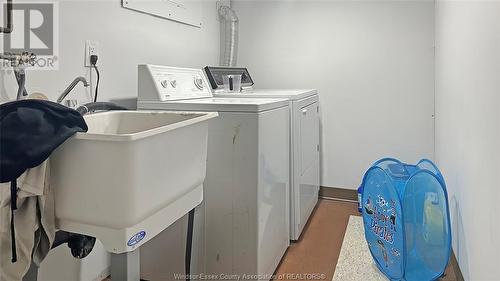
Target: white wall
468,129
126,39
372,62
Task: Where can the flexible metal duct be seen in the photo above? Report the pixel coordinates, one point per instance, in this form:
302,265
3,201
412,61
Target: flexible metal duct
228,36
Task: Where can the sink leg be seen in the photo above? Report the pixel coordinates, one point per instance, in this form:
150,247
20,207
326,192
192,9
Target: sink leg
32,274
189,244
126,266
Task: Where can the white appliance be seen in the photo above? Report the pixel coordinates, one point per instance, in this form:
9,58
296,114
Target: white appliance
304,140
247,184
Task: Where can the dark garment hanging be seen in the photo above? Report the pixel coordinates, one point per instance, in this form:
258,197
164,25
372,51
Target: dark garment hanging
29,131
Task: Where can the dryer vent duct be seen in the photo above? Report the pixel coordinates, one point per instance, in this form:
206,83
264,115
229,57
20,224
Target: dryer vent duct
228,36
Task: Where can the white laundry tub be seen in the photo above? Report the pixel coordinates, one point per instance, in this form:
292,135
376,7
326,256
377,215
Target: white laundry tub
130,176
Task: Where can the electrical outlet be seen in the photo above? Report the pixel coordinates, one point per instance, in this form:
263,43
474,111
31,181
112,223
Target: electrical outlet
91,48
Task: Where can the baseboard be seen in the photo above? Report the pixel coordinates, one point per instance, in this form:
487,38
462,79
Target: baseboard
456,267
104,274
338,193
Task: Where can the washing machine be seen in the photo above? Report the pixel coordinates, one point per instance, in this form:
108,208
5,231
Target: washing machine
246,190
304,139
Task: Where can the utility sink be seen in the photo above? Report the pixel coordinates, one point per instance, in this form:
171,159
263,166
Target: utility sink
130,176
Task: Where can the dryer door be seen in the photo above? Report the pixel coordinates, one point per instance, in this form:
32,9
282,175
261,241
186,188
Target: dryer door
309,160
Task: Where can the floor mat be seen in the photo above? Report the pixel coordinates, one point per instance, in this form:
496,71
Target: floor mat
355,261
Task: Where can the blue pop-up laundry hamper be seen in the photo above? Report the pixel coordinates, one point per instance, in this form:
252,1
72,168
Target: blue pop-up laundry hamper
406,219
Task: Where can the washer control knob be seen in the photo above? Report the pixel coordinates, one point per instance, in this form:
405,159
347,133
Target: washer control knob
173,83
164,83
198,82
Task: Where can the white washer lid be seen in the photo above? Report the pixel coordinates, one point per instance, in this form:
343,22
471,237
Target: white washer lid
291,94
217,104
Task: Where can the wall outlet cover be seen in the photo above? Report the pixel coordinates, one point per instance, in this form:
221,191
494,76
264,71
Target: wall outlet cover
91,48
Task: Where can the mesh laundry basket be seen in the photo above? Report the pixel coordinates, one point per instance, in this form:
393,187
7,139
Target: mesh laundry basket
406,219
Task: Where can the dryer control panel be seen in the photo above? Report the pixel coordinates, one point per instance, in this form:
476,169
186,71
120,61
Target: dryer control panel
164,83
215,74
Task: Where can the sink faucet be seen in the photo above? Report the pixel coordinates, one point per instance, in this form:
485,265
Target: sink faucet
19,61
71,86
